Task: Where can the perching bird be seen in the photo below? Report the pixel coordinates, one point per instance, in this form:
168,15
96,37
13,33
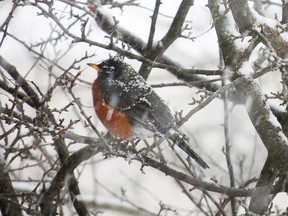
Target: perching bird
128,107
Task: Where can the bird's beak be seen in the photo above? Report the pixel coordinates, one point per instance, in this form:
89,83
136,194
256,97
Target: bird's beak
95,66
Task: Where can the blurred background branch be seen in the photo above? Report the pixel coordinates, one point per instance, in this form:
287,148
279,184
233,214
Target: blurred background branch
50,139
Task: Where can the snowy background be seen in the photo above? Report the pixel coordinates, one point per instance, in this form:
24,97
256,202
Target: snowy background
99,179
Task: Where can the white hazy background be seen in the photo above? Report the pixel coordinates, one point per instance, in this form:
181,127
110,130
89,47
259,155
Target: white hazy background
205,128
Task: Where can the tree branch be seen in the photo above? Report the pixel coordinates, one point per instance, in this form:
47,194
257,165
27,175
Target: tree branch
227,151
59,142
233,192
176,27
11,206
147,161
173,33
242,15
260,200
152,27
265,123
66,173
271,134
284,12
104,22
21,81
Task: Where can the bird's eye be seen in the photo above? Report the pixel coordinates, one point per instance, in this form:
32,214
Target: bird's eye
109,70
112,68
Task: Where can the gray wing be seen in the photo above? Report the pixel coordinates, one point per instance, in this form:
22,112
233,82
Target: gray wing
140,102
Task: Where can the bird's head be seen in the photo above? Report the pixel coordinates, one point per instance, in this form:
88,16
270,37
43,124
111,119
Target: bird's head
111,67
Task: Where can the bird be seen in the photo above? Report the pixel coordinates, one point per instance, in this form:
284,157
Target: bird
130,108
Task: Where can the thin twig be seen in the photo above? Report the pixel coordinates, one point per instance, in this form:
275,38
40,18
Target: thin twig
153,26
228,147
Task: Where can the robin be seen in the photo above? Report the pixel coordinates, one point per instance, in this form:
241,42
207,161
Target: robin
128,107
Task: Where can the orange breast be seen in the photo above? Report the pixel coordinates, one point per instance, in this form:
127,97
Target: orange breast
116,122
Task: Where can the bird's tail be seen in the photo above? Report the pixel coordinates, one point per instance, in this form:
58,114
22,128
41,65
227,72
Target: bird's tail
182,143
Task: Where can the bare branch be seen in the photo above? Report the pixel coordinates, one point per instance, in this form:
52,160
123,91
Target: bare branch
228,147
5,24
66,173
11,205
152,27
31,94
284,12
173,33
242,15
